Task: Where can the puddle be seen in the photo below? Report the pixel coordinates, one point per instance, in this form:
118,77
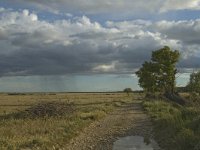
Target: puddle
133,143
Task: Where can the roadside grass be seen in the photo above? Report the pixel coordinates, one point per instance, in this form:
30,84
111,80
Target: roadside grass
176,127
51,124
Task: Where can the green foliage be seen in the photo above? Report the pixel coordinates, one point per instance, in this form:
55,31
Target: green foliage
128,90
158,75
147,78
176,127
194,84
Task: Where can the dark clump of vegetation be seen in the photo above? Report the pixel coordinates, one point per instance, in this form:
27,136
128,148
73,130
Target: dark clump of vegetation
175,97
43,109
50,109
193,88
14,94
191,92
194,83
128,90
176,127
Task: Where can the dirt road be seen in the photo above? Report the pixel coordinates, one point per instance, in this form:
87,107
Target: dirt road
128,119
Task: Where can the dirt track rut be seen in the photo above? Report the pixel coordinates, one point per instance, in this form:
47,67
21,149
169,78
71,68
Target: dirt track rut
129,119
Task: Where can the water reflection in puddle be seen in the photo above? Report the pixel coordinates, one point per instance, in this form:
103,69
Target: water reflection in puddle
133,143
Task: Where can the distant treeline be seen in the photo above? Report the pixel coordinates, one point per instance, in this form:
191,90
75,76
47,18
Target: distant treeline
182,89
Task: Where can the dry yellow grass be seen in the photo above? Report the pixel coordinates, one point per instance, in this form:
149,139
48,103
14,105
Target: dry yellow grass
55,131
14,102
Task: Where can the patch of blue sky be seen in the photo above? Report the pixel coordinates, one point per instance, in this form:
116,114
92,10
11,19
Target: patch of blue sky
180,15
15,6
175,15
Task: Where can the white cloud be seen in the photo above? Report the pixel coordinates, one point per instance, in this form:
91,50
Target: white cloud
105,67
26,12
33,17
180,5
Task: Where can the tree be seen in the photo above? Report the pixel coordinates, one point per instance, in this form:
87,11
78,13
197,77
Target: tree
128,90
147,78
158,75
194,83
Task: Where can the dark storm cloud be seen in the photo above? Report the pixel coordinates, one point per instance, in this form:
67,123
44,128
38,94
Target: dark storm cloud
185,31
192,62
30,46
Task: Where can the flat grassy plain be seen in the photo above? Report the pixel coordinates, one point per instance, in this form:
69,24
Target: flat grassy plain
50,120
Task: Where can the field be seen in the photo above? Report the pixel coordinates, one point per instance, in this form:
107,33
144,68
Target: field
54,120
50,120
13,102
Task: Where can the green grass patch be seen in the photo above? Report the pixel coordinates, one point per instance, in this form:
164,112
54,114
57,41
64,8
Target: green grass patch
176,127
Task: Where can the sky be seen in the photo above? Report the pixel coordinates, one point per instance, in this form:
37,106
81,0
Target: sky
92,42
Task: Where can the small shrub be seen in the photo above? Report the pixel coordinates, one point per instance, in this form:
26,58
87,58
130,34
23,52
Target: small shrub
35,143
45,109
50,109
128,91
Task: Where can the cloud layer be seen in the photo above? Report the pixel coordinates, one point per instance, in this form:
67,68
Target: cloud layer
32,46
